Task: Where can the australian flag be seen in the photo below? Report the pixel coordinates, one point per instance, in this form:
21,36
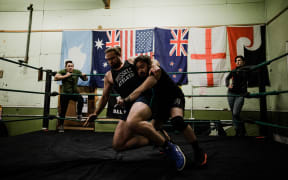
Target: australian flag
171,52
101,41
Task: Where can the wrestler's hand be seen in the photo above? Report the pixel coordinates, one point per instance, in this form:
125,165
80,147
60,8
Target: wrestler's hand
90,118
120,101
68,74
154,70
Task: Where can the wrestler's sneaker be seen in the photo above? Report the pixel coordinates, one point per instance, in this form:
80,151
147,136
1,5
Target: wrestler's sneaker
61,129
176,154
79,117
201,158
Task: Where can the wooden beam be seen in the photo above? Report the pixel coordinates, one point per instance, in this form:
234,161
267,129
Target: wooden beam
107,4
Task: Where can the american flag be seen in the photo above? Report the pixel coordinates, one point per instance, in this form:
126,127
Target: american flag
136,42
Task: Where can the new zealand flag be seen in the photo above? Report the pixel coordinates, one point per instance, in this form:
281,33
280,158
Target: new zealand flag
171,52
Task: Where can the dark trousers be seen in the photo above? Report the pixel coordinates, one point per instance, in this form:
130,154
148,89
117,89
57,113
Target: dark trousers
64,101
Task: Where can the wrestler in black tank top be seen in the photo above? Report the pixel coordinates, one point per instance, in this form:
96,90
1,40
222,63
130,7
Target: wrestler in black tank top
125,79
166,88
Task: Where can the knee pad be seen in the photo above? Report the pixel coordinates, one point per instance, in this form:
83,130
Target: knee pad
178,123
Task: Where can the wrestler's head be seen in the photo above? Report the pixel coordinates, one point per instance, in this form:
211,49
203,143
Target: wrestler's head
239,61
143,65
69,66
113,56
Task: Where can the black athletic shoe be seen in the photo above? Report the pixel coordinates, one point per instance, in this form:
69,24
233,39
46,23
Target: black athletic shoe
201,158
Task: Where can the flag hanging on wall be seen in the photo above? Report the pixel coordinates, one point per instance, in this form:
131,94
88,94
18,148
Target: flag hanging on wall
207,52
136,42
132,42
249,41
171,52
76,45
101,41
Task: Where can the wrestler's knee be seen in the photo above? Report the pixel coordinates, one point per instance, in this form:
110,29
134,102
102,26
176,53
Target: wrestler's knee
178,123
133,125
118,146
139,127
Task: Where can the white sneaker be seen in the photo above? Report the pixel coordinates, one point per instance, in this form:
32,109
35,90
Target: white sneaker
61,129
79,117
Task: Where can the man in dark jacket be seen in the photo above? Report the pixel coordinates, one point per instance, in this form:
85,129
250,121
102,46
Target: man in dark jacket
237,83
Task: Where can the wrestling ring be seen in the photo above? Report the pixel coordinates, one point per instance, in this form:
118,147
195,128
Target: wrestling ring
46,154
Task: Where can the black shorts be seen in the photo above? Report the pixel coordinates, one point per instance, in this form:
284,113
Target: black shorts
162,106
144,98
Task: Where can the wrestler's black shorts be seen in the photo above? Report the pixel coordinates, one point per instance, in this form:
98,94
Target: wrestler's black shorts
146,98
161,107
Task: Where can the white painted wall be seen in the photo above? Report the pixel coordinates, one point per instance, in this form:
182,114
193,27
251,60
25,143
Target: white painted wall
45,47
277,37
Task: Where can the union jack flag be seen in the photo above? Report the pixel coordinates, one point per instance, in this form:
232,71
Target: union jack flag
136,42
113,38
180,38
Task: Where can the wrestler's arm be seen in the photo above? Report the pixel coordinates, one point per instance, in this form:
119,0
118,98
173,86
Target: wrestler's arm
147,84
227,79
108,83
84,77
131,60
151,80
59,76
155,63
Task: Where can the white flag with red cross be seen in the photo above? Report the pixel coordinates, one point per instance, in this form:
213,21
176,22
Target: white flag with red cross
207,53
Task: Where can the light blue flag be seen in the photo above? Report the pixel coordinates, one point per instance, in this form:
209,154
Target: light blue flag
77,46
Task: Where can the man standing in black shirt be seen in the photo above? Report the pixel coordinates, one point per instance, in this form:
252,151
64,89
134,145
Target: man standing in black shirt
236,81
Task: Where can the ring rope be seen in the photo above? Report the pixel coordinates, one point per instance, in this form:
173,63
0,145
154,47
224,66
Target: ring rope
250,95
86,94
270,124
50,117
202,72
15,115
35,117
22,91
27,119
21,63
268,62
266,93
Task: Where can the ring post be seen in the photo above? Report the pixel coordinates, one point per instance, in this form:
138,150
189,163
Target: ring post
263,103
47,99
